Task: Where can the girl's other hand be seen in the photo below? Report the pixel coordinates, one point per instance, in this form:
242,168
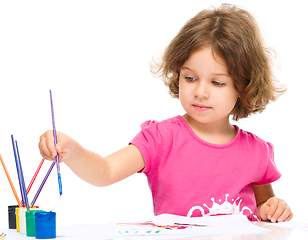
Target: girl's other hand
275,210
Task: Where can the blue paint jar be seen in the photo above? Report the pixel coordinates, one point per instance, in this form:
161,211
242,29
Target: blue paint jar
45,225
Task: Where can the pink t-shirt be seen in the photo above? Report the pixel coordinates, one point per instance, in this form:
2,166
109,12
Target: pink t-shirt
191,177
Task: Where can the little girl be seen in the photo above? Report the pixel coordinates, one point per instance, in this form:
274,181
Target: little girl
199,164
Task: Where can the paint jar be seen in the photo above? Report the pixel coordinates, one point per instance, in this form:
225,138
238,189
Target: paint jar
45,225
22,220
30,224
12,216
17,219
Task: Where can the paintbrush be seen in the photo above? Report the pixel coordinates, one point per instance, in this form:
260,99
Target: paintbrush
22,178
55,138
34,176
42,184
18,172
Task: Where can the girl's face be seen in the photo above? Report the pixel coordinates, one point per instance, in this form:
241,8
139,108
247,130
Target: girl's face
206,90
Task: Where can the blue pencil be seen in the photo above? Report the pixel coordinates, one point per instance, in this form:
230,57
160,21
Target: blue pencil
55,137
22,179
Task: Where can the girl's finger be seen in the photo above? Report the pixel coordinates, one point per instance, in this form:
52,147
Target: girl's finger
286,214
50,143
279,211
44,149
272,203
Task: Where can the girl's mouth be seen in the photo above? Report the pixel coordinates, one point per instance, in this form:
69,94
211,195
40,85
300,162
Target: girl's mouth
201,108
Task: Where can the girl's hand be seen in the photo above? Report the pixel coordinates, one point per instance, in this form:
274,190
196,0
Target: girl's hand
48,149
275,210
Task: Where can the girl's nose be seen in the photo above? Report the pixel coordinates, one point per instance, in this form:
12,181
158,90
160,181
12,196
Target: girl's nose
202,91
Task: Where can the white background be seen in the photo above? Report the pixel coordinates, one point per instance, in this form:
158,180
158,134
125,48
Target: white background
95,56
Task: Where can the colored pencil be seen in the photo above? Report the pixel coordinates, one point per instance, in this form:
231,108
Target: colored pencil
10,181
22,179
34,176
55,138
18,171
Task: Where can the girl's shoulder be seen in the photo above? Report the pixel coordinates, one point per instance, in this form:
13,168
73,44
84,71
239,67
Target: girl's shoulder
163,124
251,140
165,129
249,135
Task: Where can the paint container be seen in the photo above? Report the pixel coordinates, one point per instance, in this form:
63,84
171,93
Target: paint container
30,223
45,225
22,220
17,219
12,216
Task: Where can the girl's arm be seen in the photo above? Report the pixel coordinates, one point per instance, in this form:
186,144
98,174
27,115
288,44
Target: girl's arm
88,165
271,208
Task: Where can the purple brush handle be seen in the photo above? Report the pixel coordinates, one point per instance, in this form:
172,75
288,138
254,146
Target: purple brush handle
54,130
42,184
22,179
18,171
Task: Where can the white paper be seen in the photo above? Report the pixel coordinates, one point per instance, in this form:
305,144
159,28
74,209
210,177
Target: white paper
217,226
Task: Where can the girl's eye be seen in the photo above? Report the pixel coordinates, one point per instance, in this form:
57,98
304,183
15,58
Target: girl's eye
190,79
218,83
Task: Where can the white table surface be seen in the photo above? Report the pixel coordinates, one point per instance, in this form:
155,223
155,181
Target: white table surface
276,233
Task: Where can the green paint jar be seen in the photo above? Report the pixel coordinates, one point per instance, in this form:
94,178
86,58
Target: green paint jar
30,223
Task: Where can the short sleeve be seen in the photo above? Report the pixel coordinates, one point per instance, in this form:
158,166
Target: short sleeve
148,142
271,173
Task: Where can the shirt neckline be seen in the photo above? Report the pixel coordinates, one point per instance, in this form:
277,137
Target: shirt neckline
213,145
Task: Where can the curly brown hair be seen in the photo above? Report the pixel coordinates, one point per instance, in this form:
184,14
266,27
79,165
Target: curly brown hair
234,35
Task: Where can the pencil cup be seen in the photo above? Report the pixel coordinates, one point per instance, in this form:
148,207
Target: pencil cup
12,216
45,225
17,219
30,224
22,220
